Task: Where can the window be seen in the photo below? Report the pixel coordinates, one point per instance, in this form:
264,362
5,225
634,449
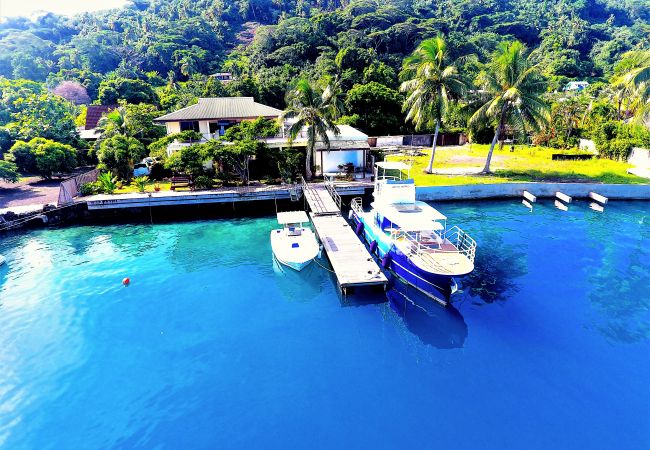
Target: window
193,126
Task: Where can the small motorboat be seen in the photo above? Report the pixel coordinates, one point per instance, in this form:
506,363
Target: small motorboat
294,245
2,260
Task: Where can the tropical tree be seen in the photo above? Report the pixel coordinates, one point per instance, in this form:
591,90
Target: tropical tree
113,123
8,172
514,88
314,110
119,153
636,80
42,156
431,84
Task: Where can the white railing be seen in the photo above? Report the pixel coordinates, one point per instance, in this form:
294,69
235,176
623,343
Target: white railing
357,206
329,184
462,242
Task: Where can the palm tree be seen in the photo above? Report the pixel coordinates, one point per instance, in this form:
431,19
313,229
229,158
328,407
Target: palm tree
112,123
514,88
431,84
314,110
636,80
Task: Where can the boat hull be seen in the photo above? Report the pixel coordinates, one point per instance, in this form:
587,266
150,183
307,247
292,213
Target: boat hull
295,252
437,287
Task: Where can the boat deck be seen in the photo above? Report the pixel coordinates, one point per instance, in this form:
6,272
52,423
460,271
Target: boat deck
351,261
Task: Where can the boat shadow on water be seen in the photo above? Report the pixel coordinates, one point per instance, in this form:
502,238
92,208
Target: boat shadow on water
303,286
435,325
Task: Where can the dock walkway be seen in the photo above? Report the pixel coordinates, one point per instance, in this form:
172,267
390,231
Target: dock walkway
319,199
352,262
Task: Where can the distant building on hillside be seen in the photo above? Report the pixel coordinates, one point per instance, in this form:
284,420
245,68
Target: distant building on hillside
576,86
93,114
224,77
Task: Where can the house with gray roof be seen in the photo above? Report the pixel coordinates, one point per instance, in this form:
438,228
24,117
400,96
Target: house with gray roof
212,116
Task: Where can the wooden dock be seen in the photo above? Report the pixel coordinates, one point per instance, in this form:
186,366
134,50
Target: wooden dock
319,199
351,261
353,264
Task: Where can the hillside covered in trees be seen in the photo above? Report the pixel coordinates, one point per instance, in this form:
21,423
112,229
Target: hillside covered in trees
267,43
159,54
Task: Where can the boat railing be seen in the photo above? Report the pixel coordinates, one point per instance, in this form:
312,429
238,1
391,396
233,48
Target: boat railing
461,242
357,206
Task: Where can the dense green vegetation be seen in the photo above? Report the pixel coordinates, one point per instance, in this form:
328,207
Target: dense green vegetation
154,56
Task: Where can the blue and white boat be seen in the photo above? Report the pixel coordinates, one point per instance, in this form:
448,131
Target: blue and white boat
411,237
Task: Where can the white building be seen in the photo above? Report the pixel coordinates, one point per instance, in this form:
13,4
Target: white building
576,86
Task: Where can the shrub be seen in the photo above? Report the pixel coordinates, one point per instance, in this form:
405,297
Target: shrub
615,140
188,160
107,182
140,183
203,182
43,156
157,172
91,188
8,171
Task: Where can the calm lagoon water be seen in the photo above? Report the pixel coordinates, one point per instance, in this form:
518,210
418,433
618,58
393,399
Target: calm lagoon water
212,346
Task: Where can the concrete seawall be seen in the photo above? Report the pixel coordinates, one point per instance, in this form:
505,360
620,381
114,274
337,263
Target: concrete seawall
508,190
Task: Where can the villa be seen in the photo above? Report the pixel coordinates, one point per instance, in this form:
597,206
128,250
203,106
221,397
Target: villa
211,117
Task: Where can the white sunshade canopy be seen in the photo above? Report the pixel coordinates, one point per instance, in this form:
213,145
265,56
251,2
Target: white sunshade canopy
392,165
292,217
413,217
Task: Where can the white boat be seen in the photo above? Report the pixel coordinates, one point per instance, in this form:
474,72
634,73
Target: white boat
294,245
2,260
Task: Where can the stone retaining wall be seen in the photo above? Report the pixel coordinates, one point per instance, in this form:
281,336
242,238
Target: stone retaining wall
506,190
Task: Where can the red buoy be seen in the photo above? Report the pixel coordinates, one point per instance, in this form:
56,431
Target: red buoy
126,281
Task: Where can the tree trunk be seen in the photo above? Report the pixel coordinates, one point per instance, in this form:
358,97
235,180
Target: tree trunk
486,169
308,161
433,147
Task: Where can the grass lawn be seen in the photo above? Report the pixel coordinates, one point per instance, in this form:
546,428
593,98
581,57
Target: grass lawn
130,188
524,164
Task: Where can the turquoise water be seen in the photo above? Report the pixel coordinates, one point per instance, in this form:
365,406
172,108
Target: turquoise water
213,347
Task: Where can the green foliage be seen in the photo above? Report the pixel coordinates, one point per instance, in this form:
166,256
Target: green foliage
614,140
203,182
131,91
289,162
91,188
140,183
241,144
8,172
378,108
42,156
43,115
188,160
54,157
107,182
118,154
158,148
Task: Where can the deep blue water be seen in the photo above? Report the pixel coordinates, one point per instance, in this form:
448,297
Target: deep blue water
211,346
